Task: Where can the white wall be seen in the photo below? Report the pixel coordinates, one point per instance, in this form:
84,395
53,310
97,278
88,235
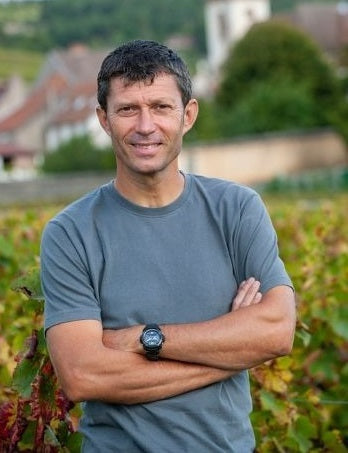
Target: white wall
227,21
260,159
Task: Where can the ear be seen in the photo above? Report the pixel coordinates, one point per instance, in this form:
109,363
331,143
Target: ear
103,120
190,114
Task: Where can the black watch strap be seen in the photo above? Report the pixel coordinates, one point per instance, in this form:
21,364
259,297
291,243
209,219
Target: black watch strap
152,355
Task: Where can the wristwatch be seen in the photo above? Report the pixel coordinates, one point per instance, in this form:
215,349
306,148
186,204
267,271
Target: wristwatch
152,340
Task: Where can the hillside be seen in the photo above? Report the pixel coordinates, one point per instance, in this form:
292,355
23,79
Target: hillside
46,24
25,63
29,29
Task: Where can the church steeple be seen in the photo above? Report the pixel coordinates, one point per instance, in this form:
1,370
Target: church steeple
227,21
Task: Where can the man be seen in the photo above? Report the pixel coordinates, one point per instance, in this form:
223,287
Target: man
162,288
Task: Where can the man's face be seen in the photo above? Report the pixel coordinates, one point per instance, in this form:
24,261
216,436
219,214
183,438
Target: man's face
146,123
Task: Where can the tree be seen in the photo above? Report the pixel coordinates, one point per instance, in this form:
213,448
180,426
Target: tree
277,54
107,23
78,154
272,107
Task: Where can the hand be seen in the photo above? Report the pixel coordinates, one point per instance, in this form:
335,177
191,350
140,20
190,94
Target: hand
248,294
126,339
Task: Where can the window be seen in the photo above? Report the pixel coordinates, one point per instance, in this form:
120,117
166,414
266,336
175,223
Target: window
223,26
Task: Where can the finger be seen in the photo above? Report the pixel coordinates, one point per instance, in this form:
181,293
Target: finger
242,293
242,289
257,298
250,294
241,285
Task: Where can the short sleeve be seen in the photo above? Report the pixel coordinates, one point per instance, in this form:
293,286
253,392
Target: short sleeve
65,280
256,246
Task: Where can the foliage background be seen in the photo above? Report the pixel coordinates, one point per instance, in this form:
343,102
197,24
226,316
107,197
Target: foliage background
38,26
275,79
79,154
300,401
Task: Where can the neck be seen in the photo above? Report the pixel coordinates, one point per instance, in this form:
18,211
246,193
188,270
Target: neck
151,191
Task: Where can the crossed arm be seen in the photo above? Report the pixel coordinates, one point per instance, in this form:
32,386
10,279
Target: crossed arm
110,366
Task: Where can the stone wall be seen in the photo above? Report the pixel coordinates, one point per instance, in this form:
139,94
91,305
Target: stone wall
245,161
59,188
260,159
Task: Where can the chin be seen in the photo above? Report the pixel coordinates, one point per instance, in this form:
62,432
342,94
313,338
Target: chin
151,170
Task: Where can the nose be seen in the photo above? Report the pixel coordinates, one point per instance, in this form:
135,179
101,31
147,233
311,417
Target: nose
145,124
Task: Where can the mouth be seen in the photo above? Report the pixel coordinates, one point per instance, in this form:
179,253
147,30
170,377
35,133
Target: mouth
146,148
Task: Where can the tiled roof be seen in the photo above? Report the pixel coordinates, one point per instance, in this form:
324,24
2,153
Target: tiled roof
326,22
74,64
12,149
34,103
73,116
83,63
80,103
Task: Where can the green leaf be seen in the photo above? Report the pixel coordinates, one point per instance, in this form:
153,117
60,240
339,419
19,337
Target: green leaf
334,442
324,367
344,370
29,284
284,363
6,248
339,321
5,375
62,432
50,437
304,336
34,306
303,431
24,375
74,442
41,345
271,403
28,437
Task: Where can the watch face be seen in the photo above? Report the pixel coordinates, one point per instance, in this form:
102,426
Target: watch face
152,338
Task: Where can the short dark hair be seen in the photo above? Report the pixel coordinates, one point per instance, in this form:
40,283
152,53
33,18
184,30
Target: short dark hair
141,60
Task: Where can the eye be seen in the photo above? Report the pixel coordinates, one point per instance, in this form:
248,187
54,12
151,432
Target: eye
162,107
126,110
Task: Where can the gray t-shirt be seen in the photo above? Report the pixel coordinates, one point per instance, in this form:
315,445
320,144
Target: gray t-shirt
107,259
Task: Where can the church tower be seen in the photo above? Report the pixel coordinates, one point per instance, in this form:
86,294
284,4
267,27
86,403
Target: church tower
227,21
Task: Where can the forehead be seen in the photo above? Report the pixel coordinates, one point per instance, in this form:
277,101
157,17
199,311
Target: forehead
162,86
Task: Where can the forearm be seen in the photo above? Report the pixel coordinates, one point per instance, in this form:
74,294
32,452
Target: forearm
139,380
87,370
238,340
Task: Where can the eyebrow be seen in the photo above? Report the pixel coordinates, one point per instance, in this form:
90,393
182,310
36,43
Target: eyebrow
163,100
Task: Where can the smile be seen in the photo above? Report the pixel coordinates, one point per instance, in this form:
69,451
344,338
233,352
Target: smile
146,146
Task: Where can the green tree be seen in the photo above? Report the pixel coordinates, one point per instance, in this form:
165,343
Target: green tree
280,56
79,154
268,107
288,107
109,22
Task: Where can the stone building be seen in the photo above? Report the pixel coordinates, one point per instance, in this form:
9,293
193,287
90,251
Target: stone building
60,105
226,21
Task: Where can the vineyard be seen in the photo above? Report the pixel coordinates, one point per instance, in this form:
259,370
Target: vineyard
300,401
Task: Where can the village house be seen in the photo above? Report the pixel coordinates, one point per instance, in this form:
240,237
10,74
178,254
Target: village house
227,21
22,130
12,94
62,102
75,116
326,23
60,105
